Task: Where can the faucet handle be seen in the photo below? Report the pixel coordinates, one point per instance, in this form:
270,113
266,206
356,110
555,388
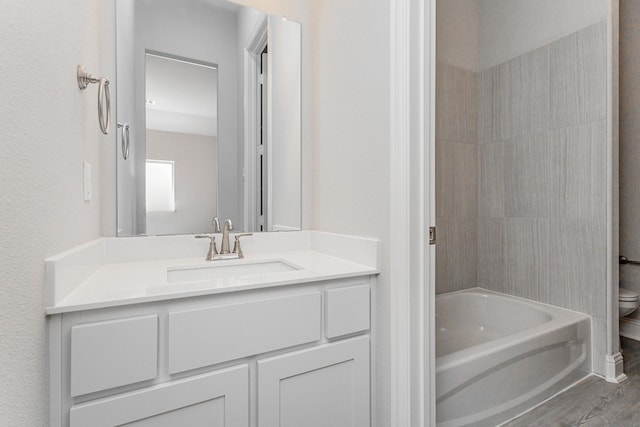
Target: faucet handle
213,251
236,244
216,225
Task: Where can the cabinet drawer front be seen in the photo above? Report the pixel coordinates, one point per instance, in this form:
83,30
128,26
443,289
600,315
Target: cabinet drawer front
347,310
203,337
217,399
113,353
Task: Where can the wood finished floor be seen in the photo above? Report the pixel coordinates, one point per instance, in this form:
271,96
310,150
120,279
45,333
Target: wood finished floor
593,402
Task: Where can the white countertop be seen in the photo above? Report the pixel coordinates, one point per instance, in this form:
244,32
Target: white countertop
110,272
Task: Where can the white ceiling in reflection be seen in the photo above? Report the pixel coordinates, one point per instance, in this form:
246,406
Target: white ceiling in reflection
181,96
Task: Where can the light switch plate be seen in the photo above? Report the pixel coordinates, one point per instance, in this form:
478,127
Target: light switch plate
86,167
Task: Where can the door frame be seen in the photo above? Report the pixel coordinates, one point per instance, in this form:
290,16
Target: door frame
255,44
412,188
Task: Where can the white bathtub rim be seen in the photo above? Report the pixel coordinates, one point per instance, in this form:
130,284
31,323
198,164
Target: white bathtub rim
560,318
478,289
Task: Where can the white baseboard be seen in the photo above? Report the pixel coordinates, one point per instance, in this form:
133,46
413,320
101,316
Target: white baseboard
613,368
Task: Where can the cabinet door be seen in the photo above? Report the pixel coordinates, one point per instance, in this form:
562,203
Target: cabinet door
326,386
216,399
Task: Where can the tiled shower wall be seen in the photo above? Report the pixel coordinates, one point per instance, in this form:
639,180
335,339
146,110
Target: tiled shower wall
542,174
456,178
521,201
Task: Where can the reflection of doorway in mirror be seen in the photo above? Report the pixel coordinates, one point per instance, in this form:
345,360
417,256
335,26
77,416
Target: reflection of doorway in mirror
256,121
182,128
263,164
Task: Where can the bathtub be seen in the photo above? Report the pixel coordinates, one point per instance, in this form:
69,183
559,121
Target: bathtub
497,355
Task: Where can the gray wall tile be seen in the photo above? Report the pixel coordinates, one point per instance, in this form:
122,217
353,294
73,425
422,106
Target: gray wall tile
592,72
526,250
464,161
563,82
456,178
444,179
456,104
504,125
526,164
531,93
577,79
577,267
442,256
491,180
486,104
491,272
462,252
450,92
456,254
578,171
471,112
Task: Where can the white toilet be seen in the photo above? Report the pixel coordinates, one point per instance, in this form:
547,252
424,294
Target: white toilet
628,300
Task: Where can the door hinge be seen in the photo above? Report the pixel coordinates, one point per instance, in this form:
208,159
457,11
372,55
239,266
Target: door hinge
261,150
261,220
432,235
261,79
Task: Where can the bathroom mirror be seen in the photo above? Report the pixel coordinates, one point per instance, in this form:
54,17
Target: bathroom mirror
208,112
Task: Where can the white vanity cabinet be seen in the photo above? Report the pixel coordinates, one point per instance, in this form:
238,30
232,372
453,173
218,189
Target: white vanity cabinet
317,387
290,356
216,399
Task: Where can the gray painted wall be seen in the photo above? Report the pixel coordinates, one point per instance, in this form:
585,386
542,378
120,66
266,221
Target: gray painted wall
630,143
511,28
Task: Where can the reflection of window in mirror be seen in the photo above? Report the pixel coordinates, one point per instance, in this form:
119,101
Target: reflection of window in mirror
160,186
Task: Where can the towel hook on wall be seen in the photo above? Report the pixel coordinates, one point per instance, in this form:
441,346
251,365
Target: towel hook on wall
104,99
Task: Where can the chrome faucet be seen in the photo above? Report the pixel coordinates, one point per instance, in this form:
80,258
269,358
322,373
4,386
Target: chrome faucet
213,251
228,226
224,253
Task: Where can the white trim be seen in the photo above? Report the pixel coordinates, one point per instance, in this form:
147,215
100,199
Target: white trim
268,143
55,370
399,157
412,102
255,45
613,359
430,318
613,368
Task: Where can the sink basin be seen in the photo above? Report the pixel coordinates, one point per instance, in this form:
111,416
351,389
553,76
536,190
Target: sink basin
235,269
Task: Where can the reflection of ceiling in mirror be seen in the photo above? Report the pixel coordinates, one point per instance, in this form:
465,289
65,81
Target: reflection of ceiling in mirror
223,4
181,96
